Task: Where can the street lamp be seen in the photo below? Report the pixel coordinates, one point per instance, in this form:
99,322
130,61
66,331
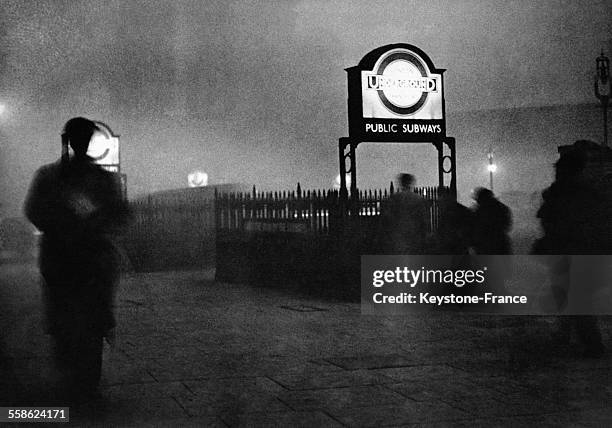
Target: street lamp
602,89
491,167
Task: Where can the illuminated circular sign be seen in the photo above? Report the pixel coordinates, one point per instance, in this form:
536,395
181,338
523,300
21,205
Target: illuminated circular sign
98,149
402,82
104,146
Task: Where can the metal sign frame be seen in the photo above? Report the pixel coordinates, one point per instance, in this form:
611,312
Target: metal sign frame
378,110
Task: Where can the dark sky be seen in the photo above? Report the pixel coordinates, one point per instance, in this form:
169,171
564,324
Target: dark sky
255,91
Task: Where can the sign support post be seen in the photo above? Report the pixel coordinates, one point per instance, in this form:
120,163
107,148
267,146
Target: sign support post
452,170
440,148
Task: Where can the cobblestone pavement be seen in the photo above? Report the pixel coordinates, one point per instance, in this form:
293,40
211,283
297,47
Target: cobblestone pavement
193,352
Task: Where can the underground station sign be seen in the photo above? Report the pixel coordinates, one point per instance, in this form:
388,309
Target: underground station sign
396,95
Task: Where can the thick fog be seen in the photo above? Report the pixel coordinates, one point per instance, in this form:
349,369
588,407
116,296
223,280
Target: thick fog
255,91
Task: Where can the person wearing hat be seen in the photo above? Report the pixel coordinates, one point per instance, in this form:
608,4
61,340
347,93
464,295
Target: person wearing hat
79,207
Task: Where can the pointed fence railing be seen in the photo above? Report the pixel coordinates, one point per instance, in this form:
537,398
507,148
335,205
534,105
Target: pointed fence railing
182,228
310,211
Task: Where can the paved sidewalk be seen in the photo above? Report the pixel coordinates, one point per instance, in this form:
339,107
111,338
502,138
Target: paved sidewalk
192,352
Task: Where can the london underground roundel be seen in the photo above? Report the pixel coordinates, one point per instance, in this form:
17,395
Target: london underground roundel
400,85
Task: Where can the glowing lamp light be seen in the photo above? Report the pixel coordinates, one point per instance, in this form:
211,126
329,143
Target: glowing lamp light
197,179
336,183
492,167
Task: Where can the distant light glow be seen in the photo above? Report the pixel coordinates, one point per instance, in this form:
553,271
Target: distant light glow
492,167
2,108
197,179
336,183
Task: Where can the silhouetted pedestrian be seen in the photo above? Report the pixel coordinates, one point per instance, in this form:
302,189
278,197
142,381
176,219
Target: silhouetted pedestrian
491,225
454,232
453,236
492,222
78,206
574,221
404,219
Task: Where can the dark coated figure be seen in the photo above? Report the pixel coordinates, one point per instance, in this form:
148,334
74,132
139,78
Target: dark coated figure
79,207
405,219
574,221
572,210
492,222
454,226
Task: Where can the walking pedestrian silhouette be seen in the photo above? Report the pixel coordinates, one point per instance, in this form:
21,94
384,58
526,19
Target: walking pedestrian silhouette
575,222
78,206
